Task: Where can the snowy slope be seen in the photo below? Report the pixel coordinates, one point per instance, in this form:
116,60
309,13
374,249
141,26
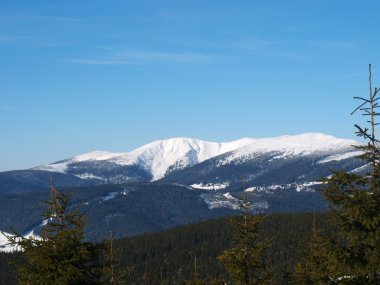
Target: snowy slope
290,146
4,243
162,157
156,158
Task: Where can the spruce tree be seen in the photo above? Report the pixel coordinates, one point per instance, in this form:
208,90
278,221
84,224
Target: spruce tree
313,268
196,280
112,273
350,254
60,256
245,261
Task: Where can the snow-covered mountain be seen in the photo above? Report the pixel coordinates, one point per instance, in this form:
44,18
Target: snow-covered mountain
156,158
192,180
166,158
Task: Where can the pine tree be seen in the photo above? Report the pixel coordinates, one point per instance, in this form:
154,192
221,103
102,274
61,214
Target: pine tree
351,252
60,256
245,262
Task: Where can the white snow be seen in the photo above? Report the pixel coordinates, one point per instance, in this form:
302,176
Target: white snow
289,146
110,196
216,200
4,243
113,195
221,201
95,155
91,156
268,187
361,168
228,196
210,186
339,157
54,167
306,186
160,156
89,176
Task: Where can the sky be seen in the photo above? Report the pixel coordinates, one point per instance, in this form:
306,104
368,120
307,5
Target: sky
78,76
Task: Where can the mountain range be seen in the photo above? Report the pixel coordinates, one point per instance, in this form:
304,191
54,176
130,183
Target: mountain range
177,181
210,165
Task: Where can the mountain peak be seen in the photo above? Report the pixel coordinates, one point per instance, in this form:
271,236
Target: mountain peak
161,156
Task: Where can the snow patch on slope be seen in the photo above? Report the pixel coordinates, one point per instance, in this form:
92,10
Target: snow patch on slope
210,186
94,156
54,167
89,176
216,200
219,200
4,244
6,247
62,166
339,157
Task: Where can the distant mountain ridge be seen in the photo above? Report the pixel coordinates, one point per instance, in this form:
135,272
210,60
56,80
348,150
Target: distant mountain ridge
181,180
158,159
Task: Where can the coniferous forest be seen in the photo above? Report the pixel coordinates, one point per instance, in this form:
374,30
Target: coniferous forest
168,257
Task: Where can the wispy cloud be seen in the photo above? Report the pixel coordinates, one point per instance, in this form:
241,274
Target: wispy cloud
129,57
255,45
338,45
35,30
363,74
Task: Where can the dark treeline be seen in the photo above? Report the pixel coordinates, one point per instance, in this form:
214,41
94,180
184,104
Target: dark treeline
167,257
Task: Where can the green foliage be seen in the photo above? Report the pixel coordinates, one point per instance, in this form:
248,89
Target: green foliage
350,254
354,210
112,273
60,256
355,244
244,261
312,269
170,254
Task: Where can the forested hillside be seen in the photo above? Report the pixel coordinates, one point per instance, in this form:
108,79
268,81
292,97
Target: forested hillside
167,257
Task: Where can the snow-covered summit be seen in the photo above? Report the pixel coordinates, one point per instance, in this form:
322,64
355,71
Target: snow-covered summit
161,156
304,143
288,146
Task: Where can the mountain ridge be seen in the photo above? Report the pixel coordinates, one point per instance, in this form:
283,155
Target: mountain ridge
161,157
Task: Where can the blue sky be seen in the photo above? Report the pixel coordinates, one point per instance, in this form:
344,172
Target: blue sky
78,76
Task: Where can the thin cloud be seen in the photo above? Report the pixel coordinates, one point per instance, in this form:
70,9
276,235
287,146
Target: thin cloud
337,45
129,57
34,30
351,75
254,45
